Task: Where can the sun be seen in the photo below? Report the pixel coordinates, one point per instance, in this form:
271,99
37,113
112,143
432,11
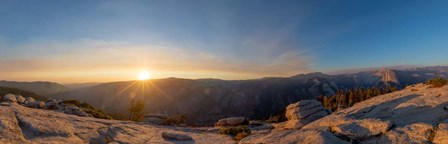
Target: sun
144,75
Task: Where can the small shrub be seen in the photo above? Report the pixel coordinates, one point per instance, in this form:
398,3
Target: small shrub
177,120
276,119
73,102
234,130
437,82
241,135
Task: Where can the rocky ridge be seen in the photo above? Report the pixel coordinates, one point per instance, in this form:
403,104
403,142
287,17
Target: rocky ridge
19,124
303,112
417,114
51,104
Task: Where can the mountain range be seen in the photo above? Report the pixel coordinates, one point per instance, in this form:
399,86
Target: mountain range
41,88
204,101
415,114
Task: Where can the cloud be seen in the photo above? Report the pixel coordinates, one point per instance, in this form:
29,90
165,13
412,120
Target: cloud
98,60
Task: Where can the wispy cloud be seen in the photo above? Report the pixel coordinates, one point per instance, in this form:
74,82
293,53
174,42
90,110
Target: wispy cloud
97,60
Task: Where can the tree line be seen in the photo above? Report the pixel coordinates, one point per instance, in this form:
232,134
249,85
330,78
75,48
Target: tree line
348,97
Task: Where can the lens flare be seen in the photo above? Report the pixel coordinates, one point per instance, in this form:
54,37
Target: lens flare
144,75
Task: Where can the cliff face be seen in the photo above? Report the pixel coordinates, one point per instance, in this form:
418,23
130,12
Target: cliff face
417,114
388,75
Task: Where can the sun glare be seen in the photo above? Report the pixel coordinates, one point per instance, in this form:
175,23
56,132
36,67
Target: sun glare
144,75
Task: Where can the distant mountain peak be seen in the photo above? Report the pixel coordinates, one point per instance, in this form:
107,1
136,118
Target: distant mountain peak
387,75
309,75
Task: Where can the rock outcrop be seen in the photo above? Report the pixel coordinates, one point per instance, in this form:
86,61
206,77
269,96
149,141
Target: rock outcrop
36,104
19,124
51,104
10,98
176,136
74,110
232,121
20,99
155,118
5,104
388,75
29,100
406,116
441,133
303,112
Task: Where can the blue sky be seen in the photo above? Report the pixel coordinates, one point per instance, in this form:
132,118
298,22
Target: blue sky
229,39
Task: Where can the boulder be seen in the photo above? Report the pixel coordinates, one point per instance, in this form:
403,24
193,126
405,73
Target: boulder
155,118
362,129
232,121
81,113
74,110
256,123
29,100
20,99
441,135
176,136
52,104
298,123
5,104
10,98
221,122
36,104
303,112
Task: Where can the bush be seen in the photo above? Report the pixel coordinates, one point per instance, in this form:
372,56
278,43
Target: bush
437,82
177,120
238,132
234,130
277,119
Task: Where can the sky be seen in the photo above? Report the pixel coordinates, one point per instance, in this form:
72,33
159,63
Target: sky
98,41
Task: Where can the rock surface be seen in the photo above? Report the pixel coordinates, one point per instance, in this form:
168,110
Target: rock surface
232,121
294,137
72,109
303,112
406,116
19,124
361,129
155,118
52,104
20,99
10,98
29,100
5,104
176,136
441,135
36,104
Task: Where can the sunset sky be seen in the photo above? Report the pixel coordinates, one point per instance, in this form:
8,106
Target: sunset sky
99,41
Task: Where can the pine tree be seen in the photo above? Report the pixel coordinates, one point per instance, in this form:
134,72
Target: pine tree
137,110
